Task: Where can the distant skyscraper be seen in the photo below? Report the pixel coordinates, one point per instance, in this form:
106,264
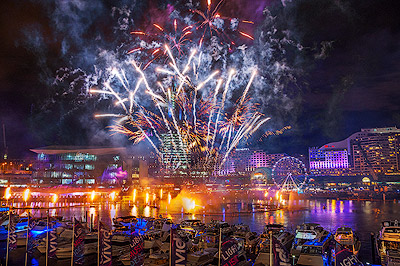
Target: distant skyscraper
175,154
377,150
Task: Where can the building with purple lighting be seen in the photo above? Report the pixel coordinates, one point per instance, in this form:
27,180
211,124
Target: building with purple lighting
328,160
245,161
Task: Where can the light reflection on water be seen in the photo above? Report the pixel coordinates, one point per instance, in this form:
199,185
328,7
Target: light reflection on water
363,216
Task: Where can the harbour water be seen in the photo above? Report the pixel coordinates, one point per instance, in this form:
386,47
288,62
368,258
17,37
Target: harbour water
363,216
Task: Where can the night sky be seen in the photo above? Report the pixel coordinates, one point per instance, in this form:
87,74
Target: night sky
347,71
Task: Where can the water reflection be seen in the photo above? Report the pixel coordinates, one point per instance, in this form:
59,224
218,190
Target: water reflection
146,212
134,211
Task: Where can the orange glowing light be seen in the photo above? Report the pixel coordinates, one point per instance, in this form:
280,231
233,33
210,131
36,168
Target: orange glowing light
147,198
146,211
92,195
246,35
134,195
161,193
277,195
209,3
217,15
138,32
158,27
134,211
155,51
54,198
169,198
134,50
266,193
154,196
189,204
26,194
7,193
113,195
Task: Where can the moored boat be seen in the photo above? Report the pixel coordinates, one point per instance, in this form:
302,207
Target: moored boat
388,242
348,239
304,233
316,252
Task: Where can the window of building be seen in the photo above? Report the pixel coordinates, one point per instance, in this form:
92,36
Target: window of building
89,166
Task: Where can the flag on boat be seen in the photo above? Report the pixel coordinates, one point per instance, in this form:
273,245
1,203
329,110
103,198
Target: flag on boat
31,244
136,247
12,236
178,249
229,252
79,242
52,240
104,245
281,255
344,257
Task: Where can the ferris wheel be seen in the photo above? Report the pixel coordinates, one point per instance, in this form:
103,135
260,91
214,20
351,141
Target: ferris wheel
289,174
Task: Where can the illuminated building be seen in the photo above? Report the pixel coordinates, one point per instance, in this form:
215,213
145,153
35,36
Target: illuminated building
373,151
376,151
245,161
80,166
175,156
328,160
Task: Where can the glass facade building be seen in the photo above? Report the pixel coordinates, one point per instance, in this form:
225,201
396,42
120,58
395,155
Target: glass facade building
81,166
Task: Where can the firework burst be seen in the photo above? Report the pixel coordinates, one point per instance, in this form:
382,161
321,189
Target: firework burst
178,34
212,22
186,112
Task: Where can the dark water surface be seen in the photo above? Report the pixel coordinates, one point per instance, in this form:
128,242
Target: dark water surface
363,216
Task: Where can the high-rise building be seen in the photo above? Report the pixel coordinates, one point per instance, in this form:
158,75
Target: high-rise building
175,156
376,151
373,151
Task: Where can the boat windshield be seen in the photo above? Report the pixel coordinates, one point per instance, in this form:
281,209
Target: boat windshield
311,250
392,230
344,232
392,245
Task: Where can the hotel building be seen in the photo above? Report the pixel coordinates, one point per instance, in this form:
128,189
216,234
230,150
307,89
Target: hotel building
245,161
373,151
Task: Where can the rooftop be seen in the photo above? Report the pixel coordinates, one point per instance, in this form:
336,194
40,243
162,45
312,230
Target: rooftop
96,150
